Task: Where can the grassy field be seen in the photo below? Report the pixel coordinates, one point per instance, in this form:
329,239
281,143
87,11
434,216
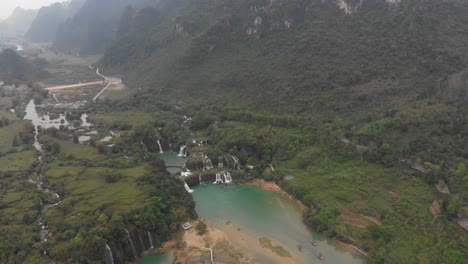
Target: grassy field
364,195
8,133
6,102
19,161
19,205
89,187
74,151
279,250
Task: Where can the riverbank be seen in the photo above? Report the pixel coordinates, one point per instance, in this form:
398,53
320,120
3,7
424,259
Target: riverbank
187,246
273,187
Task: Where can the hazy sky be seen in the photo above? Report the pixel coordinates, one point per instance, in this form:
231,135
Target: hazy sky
7,6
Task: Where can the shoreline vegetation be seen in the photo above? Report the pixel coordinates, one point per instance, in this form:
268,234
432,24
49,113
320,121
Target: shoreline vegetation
194,243
362,122
273,187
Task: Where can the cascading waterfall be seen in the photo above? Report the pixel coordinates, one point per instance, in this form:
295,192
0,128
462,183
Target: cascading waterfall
227,177
150,240
131,244
236,162
199,179
109,257
208,165
186,122
141,241
271,166
183,151
170,147
187,188
160,147
218,179
144,146
220,162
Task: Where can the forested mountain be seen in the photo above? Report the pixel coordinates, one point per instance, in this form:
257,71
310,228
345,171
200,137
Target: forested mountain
17,23
387,77
94,26
48,19
297,53
14,67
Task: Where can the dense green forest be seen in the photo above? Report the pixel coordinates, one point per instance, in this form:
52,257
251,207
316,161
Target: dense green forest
356,108
365,101
107,200
13,67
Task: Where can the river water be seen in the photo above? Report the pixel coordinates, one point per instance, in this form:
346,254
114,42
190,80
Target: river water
172,159
260,213
246,213
156,259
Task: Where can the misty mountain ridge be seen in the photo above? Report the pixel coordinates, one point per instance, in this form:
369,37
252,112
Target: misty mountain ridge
94,26
297,54
49,18
17,23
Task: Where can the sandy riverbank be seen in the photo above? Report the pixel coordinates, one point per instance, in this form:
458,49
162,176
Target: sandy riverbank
229,245
273,187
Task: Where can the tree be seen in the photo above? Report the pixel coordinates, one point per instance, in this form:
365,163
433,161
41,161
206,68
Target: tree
101,148
15,141
55,148
76,140
201,228
454,206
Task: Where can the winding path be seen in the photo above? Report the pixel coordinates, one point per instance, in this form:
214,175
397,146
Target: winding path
108,81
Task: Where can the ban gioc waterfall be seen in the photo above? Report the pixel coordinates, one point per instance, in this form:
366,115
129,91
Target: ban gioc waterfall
202,131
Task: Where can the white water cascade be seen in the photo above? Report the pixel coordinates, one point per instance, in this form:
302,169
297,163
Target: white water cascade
186,122
109,257
187,188
227,177
141,240
144,146
131,244
199,179
271,166
160,147
219,179
220,162
183,151
208,165
236,162
150,240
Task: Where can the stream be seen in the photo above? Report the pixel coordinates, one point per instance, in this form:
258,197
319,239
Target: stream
45,121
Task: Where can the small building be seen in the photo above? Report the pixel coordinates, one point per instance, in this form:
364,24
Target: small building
187,226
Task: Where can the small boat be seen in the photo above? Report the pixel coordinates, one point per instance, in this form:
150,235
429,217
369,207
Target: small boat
320,256
313,243
300,248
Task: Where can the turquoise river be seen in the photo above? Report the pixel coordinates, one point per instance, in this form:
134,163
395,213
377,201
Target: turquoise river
247,212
